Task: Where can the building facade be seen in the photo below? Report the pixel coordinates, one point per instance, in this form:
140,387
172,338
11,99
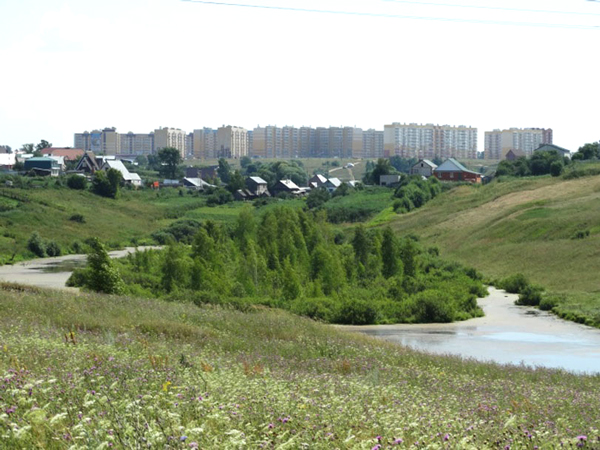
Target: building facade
372,144
205,143
170,137
524,140
430,141
136,143
232,142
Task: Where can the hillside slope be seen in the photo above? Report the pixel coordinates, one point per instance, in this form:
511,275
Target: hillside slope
524,225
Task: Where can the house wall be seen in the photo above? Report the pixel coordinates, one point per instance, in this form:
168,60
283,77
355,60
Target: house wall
458,176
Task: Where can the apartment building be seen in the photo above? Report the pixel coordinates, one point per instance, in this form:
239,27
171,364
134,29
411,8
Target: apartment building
372,143
106,141
525,140
205,143
307,142
232,142
170,137
429,141
352,144
136,143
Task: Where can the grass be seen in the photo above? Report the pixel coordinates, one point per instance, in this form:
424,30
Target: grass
81,371
527,226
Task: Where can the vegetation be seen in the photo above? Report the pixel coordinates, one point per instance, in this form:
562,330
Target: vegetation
542,227
170,161
290,259
541,163
413,192
99,371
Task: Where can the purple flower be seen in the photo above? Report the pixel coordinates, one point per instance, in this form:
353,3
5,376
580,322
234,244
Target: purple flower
446,437
398,441
183,438
377,447
582,437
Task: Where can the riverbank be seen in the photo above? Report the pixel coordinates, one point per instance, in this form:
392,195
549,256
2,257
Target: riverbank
53,272
507,334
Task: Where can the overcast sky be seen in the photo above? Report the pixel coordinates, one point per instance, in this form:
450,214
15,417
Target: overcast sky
74,65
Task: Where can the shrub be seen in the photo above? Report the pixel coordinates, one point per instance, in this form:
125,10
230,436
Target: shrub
556,168
550,301
77,218
77,182
581,234
514,283
36,245
53,249
181,231
432,306
530,296
356,312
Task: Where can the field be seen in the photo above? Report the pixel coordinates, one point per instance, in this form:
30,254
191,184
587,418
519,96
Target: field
545,228
90,371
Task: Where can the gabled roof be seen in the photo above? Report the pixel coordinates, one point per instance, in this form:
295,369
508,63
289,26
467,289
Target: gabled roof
545,147
289,184
7,159
426,161
320,178
452,165
257,180
336,182
197,182
68,153
89,160
118,165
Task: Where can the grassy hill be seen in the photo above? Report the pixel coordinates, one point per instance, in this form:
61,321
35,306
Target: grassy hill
92,371
528,226
130,219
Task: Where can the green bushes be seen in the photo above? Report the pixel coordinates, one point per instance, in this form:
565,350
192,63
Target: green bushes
79,218
529,295
77,182
414,192
36,245
514,284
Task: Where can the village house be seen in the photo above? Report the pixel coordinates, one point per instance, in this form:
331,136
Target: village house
128,177
551,147
257,186
69,154
288,187
332,184
514,154
7,160
389,180
317,181
424,168
452,170
196,183
42,166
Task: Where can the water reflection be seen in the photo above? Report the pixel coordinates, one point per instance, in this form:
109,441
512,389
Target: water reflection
507,334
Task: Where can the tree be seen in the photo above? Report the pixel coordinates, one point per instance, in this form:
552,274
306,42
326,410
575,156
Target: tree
28,148
390,254
556,168
102,274
317,197
361,244
383,167
36,245
588,151
42,145
236,181
170,159
224,170
106,184
77,182
245,161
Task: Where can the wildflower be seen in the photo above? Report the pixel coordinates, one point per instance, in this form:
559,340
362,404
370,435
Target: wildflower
398,441
183,438
377,447
193,444
446,437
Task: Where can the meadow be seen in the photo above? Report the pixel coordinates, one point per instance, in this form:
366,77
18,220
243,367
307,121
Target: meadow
545,228
94,371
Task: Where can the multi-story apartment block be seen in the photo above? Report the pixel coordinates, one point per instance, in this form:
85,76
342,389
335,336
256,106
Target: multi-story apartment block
352,146
106,142
205,143
290,137
429,141
372,144
136,143
267,142
232,142
189,145
250,144
307,142
170,137
499,142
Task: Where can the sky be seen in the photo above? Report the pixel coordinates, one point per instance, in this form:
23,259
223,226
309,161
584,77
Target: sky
69,66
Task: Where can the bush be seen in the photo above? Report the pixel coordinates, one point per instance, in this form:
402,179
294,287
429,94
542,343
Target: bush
556,168
181,231
433,306
530,296
514,283
356,312
550,301
77,218
53,249
36,245
581,234
77,182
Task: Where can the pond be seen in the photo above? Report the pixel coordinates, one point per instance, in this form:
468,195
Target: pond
508,334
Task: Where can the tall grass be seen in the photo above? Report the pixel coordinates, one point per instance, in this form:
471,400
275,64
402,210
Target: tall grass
92,371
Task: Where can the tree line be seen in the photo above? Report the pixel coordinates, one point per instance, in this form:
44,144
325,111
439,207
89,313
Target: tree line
292,259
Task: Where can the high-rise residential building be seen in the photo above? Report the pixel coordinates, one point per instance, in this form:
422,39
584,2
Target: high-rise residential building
372,143
499,142
232,142
189,145
250,144
429,141
136,143
307,142
290,137
352,146
169,137
106,142
267,142
205,143
321,143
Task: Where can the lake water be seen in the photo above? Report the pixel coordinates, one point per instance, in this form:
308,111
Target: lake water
508,334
